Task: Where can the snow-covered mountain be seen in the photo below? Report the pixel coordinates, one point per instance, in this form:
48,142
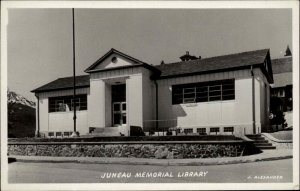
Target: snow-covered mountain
21,116
13,97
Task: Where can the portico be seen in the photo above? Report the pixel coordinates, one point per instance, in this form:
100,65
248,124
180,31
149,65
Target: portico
118,83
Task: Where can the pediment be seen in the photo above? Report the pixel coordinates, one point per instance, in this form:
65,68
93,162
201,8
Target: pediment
113,59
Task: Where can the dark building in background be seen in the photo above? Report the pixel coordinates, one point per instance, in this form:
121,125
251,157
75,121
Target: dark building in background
281,101
282,89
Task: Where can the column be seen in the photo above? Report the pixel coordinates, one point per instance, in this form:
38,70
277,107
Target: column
96,104
134,100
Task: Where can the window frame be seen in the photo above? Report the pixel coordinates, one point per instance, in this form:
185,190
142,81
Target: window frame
220,90
68,103
201,130
228,129
51,134
214,130
188,131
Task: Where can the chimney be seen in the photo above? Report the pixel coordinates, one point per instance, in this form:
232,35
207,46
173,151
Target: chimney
288,51
187,57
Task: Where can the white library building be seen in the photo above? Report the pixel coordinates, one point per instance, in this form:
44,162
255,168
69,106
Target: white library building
227,94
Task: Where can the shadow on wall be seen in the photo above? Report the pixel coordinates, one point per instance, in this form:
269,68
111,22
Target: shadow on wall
178,111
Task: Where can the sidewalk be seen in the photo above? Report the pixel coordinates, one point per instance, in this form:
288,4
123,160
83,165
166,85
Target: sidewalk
266,155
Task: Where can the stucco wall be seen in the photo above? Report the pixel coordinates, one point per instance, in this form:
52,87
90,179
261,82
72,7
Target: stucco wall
134,99
263,105
108,106
139,89
237,113
44,118
148,88
61,121
140,98
102,116
96,104
262,96
258,106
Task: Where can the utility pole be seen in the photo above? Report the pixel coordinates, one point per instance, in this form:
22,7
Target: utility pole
74,78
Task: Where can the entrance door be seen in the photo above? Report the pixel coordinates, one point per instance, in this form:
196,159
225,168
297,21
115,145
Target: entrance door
119,104
119,113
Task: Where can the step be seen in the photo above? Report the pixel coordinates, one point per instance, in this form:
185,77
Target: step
254,135
263,144
257,138
261,141
106,132
266,147
98,130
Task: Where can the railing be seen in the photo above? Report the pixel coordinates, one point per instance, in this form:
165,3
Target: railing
159,125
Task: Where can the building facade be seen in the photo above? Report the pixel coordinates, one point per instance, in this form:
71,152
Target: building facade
283,83
281,103
227,94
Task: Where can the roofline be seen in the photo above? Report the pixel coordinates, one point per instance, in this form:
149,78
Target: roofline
269,77
161,77
268,74
282,58
206,72
274,87
55,89
107,54
147,66
231,54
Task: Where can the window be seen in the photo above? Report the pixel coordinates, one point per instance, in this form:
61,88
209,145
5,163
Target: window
50,134
188,131
189,95
228,129
281,93
58,134
215,130
114,59
278,92
228,92
66,103
203,92
67,134
201,131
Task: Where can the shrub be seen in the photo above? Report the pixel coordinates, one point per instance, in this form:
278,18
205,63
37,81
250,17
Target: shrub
136,131
169,132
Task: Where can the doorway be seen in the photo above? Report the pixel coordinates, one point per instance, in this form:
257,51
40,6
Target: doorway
119,104
119,113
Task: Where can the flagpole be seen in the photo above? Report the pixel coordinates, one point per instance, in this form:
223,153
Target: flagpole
74,79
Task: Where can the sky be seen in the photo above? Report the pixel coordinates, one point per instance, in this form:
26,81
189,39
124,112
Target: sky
40,40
